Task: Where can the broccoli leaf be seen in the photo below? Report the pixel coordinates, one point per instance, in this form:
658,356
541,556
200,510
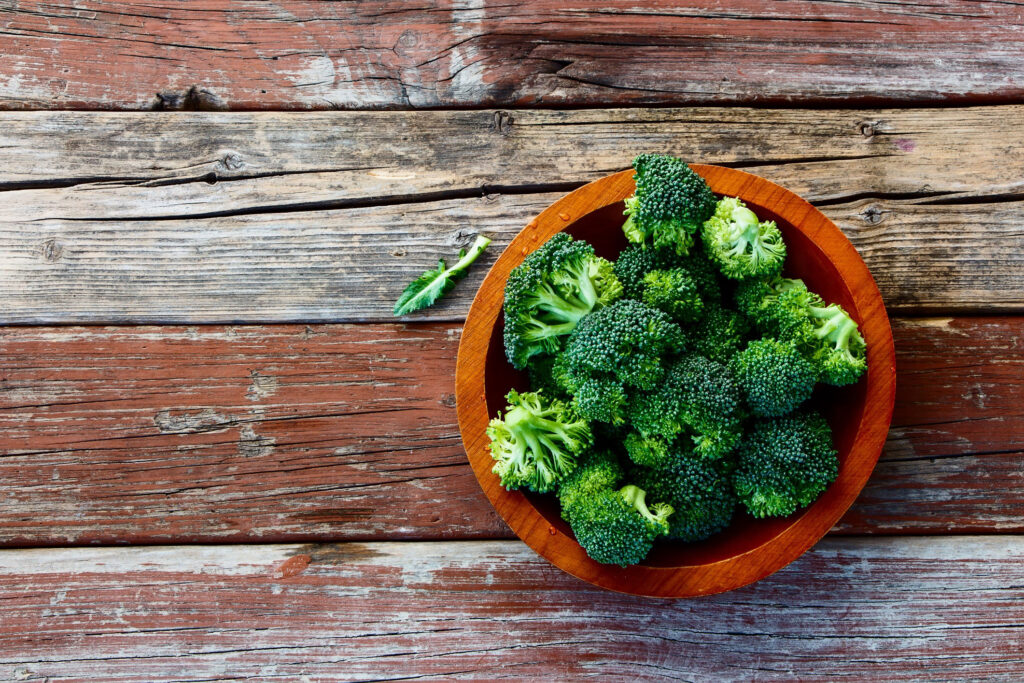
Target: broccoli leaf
425,290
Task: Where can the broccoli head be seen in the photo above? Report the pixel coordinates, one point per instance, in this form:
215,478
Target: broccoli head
699,491
698,396
622,343
536,443
775,376
784,463
739,244
617,527
839,351
675,292
635,262
550,292
601,398
596,472
670,204
651,451
720,334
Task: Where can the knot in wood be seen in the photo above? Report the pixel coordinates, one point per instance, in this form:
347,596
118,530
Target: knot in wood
52,250
872,215
867,128
232,161
502,123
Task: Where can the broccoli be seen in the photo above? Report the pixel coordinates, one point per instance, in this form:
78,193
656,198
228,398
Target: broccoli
536,443
741,246
826,335
784,463
699,491
675,292
720,334
597,471
652,451
550,292
635,262
623,343
617,527
775,376
698,396
545,377
703,271
670,204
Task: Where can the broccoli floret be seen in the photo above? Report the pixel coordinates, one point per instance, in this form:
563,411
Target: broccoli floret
545,377
617,527
536,443
720,334
597,471
775,376
675,292
784,463
699,491
601,398
739,244
697,395
670,204
651,451
704,272
624,343
550,292
635,262
785,309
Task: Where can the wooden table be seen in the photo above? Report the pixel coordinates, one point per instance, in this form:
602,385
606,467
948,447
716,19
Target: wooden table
223,458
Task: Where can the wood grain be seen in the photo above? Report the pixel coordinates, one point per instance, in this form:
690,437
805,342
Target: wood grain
307,54
186,434
901,609
326,217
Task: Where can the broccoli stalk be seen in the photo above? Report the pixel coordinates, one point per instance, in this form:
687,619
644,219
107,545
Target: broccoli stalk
536,443
432,285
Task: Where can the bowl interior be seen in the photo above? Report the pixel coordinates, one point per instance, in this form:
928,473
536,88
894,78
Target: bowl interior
842,407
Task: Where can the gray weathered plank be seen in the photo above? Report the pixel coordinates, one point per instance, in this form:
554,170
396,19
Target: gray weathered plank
891,608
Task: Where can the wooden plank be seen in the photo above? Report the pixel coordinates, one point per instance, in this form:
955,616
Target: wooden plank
906,609
111,54
341,432
272,243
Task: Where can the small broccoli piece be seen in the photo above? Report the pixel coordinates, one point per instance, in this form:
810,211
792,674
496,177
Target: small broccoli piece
784,463
675,292
739,244
635,262
704,272
626,341
720,334
596,472
670,204
826,335
550,292
617,527
775,376
601,398
536,443
698,396
651,451
699,491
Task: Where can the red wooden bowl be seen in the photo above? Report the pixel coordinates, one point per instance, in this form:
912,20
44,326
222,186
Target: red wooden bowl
749,549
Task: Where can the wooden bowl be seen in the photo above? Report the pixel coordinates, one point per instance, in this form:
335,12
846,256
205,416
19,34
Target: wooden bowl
749,549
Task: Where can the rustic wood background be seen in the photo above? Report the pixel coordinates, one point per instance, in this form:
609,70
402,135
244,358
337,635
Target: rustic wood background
200,375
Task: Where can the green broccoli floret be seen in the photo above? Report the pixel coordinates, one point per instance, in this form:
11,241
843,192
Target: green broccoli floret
721,333
601,398
675,292
785,309
617,527
775,376
670,204
784,463
739,244
596,472
704,272
699,491
698,396
550,292
651,451
545,377
536,443
625,343
635,262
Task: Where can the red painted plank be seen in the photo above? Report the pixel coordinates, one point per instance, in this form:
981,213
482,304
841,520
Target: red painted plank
947,608
176,434
307,54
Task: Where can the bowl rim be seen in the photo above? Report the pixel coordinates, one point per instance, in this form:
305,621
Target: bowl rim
728,573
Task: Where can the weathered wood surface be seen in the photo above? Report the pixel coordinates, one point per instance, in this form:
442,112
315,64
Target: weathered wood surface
947,608
296,54
185,434
326,217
